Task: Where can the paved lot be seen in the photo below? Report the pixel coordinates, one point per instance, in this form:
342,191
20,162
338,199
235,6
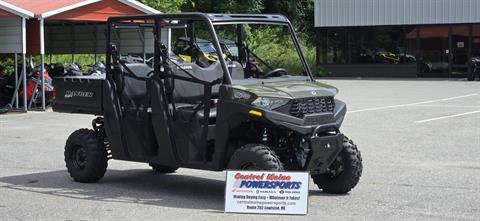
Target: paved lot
420,142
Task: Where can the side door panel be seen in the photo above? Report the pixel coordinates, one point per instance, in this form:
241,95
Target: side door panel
112,117
162,130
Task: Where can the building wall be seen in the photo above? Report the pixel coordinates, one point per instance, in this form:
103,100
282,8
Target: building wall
33,36
334,13
4,13
70,39
10,35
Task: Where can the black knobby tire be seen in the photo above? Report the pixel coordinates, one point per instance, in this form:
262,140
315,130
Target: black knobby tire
344,173
163,169
471,78
255,157
85,156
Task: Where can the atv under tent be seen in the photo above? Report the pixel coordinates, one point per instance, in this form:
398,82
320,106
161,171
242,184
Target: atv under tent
66,27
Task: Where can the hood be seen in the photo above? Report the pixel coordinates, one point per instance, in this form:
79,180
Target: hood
290,89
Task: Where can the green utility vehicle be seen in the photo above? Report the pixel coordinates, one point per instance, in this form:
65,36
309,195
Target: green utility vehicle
227,114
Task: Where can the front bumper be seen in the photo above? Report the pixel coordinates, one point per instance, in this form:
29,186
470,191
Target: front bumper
324,147
323,151
320,130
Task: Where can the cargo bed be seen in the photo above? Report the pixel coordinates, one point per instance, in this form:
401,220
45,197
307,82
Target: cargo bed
78,94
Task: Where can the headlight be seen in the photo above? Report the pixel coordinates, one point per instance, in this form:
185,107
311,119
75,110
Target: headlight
270,102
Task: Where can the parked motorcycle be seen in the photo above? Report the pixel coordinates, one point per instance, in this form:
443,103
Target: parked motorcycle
34,90
73,70
474,64
98,69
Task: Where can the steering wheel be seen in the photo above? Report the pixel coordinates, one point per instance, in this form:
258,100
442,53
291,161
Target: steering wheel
280,71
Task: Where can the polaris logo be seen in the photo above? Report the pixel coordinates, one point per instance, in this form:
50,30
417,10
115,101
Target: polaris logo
314,93
86,94
186,67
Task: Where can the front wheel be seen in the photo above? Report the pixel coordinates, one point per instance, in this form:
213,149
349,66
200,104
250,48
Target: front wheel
344,173
255,157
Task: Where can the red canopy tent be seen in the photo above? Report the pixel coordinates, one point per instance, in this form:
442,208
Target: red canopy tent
43,25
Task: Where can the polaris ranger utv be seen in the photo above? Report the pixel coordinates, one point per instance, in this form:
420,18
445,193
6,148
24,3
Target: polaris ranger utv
236,113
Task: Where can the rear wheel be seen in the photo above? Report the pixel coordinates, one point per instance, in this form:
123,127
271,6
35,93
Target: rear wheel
85,156
163,169
344,173
255,157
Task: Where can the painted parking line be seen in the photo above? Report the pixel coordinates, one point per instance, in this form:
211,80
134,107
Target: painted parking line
411,104
447,116
451,106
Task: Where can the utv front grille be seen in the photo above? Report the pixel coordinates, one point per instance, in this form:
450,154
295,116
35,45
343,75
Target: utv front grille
300,107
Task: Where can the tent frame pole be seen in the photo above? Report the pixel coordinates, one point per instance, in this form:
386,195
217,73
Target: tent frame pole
24,63
16,81
42,61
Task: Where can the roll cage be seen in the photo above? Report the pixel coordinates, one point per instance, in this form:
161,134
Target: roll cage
162,20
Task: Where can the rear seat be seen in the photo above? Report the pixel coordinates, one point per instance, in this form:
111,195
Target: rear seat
188,95
139,69
190,92
135,90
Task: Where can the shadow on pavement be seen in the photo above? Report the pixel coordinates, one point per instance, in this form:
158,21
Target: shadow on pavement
127,186
317,192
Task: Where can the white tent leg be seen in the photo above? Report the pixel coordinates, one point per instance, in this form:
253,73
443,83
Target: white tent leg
96,42
42,61
24,79
16,81
143,46
24,63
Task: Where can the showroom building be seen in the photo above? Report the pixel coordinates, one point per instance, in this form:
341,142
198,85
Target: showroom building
397,38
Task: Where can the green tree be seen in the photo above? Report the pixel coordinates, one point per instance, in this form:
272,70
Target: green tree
225,6
167,6
300,13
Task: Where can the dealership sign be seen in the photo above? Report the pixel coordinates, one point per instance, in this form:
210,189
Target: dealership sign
266,192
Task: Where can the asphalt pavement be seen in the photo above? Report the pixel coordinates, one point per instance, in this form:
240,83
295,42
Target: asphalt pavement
420,142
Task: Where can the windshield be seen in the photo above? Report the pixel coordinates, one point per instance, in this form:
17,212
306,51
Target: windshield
251,51
263,50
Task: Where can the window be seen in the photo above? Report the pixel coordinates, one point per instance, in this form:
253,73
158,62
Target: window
367,45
